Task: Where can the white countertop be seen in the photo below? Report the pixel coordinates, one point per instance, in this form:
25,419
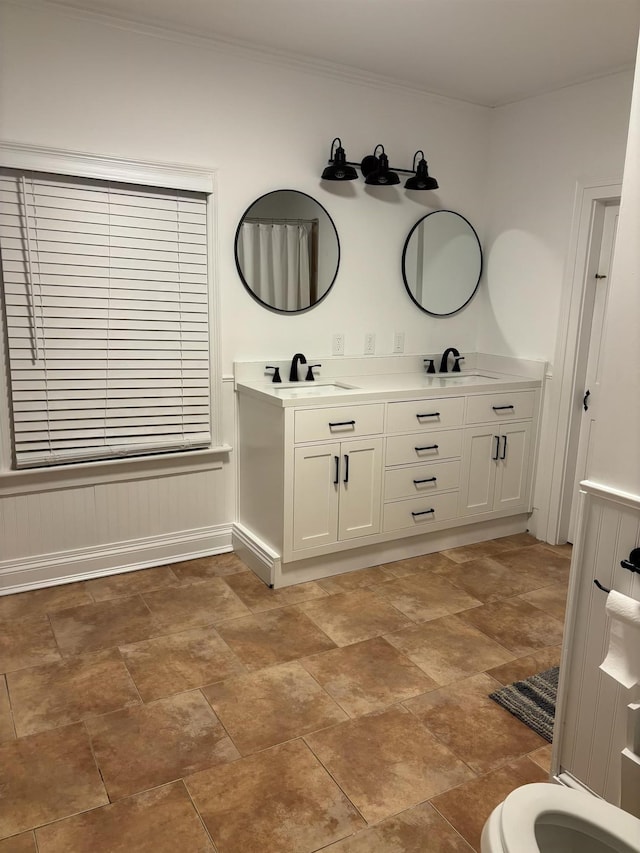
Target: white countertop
389,386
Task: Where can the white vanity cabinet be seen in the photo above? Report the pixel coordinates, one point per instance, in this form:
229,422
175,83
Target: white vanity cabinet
337,483
497,457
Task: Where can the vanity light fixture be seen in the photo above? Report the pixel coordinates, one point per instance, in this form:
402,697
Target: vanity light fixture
376,170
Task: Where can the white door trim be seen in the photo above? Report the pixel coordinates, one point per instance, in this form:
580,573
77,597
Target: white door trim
571,334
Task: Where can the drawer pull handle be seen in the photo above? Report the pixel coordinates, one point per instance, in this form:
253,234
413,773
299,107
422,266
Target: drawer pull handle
346,467
429,415
427,447
341,423
499,408
426,480
337,479
424,512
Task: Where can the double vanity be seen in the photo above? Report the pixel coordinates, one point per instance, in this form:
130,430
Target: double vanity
376,460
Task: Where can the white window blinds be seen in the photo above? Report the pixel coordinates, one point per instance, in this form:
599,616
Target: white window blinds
106,308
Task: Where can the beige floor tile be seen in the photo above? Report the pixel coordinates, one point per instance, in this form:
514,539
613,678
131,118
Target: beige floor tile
257,596
367,676
150,745
542,757
56,694
37,602
271,706
387,761
550,599
23,843
360,579
565,550
518,540
516,625
538,563
179,662
160,821
497,736
7,731
477,550
468,806
413,565
349,617
275,636
26,642
131,583
206,568
46,777
487,580
425,596
526,666
194,605
93,627
279,801
407,832
449,648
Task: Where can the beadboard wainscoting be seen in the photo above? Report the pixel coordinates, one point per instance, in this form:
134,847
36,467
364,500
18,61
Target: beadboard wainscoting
591,716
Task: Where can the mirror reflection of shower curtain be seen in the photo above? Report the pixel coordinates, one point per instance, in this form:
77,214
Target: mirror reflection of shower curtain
276,261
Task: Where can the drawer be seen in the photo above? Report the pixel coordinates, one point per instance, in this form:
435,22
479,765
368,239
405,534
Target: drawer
338,422
421,480
419,512
486,408
423,447
425,414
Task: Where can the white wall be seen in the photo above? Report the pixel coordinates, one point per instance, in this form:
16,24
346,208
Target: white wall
73,82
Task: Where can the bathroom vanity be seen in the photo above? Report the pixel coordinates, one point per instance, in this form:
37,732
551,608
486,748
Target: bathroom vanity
353,470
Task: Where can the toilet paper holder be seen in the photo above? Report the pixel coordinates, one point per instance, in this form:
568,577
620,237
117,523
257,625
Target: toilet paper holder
632,565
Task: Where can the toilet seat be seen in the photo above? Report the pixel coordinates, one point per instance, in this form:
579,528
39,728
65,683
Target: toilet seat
574,809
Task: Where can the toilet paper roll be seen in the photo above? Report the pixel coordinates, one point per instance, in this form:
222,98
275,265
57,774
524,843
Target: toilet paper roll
623,659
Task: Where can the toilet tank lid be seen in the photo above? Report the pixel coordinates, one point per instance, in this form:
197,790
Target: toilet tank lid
526,805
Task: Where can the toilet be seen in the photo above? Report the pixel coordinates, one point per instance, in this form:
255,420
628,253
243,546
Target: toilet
547,818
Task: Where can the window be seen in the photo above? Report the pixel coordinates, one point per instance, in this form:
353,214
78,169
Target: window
106,311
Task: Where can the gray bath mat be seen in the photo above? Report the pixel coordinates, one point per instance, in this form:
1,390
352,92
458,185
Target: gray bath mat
532,700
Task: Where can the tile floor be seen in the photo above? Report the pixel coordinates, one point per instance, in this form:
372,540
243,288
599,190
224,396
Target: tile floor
190,708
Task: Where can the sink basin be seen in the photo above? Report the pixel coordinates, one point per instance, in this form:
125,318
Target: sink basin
309,389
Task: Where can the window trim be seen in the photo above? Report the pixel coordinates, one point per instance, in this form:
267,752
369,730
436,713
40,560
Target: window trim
16,155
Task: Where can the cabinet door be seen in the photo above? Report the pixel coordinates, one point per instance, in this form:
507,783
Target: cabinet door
360,488
512,469
315,495
478,470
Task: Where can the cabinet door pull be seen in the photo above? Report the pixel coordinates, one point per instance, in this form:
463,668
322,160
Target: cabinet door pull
426,480
427,447
429,415
423,512
341,423
346,468
497,438
499,408
504,448
337,479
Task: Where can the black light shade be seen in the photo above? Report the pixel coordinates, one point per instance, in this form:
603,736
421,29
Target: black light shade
376,170
338,168
422,180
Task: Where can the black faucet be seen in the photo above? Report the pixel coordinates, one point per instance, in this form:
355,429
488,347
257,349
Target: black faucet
295,361
445,360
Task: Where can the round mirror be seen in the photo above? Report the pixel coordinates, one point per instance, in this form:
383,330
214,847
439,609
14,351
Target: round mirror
287,251
442,262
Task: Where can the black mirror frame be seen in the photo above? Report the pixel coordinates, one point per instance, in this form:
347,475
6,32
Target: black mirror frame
404,255
241,274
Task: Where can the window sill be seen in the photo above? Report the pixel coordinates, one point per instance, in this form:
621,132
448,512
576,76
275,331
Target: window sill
77,475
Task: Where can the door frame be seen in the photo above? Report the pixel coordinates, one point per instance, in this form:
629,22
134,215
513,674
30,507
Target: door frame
574,328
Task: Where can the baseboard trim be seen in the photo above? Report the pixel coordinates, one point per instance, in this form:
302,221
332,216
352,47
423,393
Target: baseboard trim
86,563
260,558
